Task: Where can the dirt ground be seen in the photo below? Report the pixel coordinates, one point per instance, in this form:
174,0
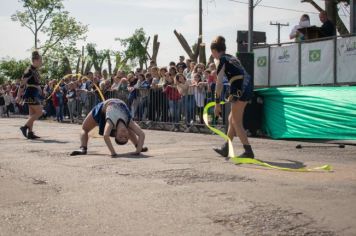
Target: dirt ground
179,187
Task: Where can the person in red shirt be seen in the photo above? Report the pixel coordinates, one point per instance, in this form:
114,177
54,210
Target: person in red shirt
174,100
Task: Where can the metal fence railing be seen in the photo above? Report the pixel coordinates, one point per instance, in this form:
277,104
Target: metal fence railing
151,108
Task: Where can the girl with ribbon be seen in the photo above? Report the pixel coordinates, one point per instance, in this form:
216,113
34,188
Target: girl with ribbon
241,91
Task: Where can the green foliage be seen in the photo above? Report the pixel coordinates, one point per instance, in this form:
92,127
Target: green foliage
135,47
121,63
55,32
97,57
11,69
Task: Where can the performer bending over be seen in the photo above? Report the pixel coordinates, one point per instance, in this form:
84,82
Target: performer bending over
32,96
241,91
114,120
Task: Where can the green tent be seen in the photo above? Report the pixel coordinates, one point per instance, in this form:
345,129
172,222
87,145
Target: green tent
310,112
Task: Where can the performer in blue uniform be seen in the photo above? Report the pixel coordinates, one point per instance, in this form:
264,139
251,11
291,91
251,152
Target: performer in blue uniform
114,120
31,93
241,91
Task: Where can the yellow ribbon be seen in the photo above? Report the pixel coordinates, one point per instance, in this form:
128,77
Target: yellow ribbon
239,160
79,76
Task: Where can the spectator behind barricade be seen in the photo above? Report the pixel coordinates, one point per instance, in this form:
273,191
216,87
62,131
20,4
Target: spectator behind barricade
58,102
162,74
199,68
328,28
82,94
199,94
13,92
303,23
152,64
187,69
174,100
183,86
212,67
162,98
189,73
2,101
105,87
181,63
172,72
142,86
105,75
9,101
153,95
132,98
172,64
47,91
117,80
71,97
180,70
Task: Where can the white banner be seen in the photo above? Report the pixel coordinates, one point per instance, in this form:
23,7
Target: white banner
284,65
346,60
318,62
261,67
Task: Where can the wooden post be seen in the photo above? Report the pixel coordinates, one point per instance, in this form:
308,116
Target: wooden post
202,55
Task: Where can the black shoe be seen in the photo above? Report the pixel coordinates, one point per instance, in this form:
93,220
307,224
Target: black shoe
24,130
144,149
81,151
248,153
32,135
223,151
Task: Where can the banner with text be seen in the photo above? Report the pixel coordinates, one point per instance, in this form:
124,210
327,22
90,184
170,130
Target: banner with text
284,65
346,60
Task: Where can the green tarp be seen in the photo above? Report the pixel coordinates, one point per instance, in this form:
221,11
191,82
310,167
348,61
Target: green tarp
310,112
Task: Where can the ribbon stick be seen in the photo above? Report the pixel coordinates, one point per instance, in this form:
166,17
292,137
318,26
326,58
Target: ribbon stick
239,160
79,76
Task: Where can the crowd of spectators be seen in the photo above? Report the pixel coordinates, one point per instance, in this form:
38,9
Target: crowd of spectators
176,93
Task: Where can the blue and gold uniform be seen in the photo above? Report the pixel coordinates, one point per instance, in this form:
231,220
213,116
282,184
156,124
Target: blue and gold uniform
32,95
114,110
241,84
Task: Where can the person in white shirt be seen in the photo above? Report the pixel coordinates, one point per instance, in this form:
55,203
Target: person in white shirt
303,23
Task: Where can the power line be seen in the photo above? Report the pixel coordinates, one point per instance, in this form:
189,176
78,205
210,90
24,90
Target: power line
279,8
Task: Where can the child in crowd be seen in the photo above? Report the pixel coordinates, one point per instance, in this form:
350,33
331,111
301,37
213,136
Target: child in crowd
199,94
72,100
58,102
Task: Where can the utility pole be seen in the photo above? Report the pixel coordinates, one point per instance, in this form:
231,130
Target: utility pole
250,25
279,25
200,18
353,16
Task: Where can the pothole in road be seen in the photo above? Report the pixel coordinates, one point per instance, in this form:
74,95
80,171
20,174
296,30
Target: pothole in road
262,220
188,176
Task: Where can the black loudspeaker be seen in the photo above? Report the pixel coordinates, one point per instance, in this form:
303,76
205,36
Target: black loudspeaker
242,39
247,61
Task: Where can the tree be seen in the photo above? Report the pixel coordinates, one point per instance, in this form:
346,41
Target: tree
97,57
12,69
135,47
46,19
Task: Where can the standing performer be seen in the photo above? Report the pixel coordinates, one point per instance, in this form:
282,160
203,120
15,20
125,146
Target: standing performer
32,96
241,91
114,120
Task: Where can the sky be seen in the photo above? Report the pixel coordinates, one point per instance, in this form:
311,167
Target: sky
110,19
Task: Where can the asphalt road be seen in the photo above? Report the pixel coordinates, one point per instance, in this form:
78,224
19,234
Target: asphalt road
179,187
